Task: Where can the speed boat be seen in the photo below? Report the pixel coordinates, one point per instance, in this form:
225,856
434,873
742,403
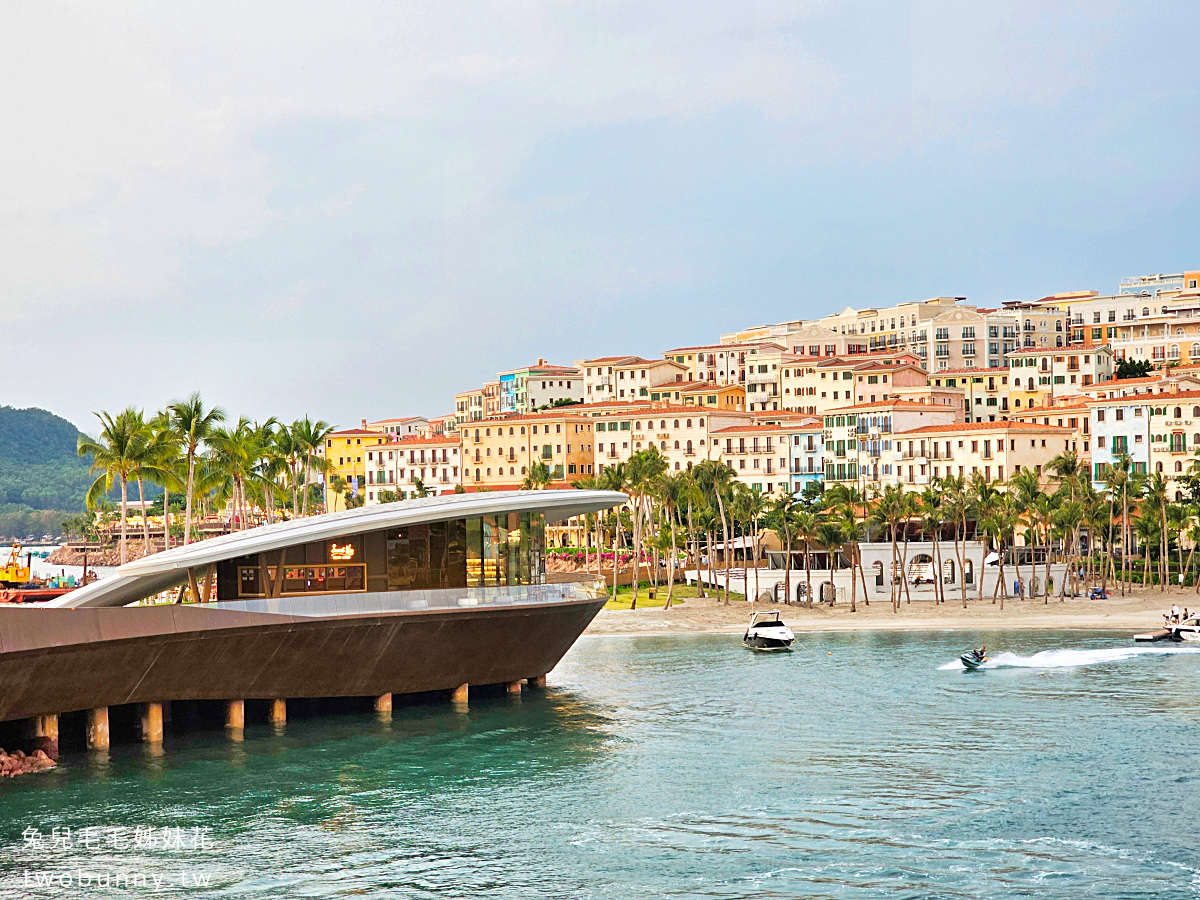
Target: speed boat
1187,630
972,660
767,632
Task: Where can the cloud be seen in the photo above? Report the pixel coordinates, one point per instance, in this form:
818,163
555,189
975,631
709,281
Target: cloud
397,199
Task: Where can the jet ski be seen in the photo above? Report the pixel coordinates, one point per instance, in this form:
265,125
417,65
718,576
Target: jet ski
767,632
973,660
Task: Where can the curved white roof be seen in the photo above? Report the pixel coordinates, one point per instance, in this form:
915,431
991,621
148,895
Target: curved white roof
161,571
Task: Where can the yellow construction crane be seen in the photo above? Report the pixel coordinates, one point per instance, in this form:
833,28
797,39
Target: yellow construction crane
13,574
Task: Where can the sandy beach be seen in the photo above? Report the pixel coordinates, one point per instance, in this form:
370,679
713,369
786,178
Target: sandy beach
1142,612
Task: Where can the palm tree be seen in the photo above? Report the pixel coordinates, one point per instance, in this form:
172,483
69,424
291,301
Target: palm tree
642,470
1156,500
930,509
310,438
167,466
849,505
537,479
805,523
118,454
783,518
613,478
829,537
716,477
890,510
670,491
194,424
1026,486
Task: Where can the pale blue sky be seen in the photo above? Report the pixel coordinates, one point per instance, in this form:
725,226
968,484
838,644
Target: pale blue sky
357,210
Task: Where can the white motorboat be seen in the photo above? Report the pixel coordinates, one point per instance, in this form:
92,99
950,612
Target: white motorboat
767,632
1187,630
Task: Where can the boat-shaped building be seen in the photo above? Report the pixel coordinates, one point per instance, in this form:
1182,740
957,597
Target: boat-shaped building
421,595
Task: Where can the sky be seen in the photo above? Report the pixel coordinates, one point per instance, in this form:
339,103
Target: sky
356,210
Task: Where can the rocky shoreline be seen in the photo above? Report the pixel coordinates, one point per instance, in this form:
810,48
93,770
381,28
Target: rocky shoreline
109,556
18,763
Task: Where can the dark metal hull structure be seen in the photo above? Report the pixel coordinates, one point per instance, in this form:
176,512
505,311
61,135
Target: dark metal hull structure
59,660
423,595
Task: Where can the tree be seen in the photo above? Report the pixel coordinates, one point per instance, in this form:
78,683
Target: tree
537,479
1133,368
716,476
194,424
117,454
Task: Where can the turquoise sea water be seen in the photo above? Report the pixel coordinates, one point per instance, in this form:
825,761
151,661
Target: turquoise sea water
677,767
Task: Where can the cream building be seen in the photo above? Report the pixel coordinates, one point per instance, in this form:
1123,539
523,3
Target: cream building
860,439
681,432
499,453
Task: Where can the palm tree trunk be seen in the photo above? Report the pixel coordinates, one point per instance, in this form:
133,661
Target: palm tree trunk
166,518
674,560
124,505
191,483
145,519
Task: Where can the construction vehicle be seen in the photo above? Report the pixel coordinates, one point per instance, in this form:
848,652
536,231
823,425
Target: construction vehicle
13,574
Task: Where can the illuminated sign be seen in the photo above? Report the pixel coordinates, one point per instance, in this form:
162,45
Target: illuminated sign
341,552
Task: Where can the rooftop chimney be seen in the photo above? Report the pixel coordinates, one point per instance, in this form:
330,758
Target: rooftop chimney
364,424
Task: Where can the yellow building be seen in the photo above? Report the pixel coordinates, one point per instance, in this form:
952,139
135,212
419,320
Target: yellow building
719,397
346,453
498,454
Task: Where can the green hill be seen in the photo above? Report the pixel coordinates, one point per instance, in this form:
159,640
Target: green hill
41,476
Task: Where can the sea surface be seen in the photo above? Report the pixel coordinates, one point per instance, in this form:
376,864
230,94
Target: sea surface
861,765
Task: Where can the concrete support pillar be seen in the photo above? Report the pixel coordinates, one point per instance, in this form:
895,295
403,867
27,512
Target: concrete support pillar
459,695
235,718
514,687
278,712
152,723
97,728
538,682
45,734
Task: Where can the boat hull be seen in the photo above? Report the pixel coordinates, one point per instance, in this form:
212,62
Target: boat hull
971,663
61,660
754,642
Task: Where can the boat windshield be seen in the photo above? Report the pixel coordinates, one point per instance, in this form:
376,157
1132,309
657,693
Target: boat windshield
767,623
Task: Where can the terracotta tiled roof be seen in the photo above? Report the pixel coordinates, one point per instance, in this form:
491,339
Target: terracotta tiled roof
969,371
1152,399
899,404
357,432
1003,425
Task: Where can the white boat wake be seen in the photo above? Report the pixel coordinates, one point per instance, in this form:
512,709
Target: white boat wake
1065,659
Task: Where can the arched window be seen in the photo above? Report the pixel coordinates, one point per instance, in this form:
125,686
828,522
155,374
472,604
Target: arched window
489,471
689,425
689,446
489,433
1158,467
1174,352
1145,310
664,445
522,429
676,423
1031,384
1195,351
662,425
701,423
522,470
637,426
968,571
1028,325
677,442
676,467
1178,466
512,471
476,474
1058,340
476,434
878,574
1058,325
948,572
